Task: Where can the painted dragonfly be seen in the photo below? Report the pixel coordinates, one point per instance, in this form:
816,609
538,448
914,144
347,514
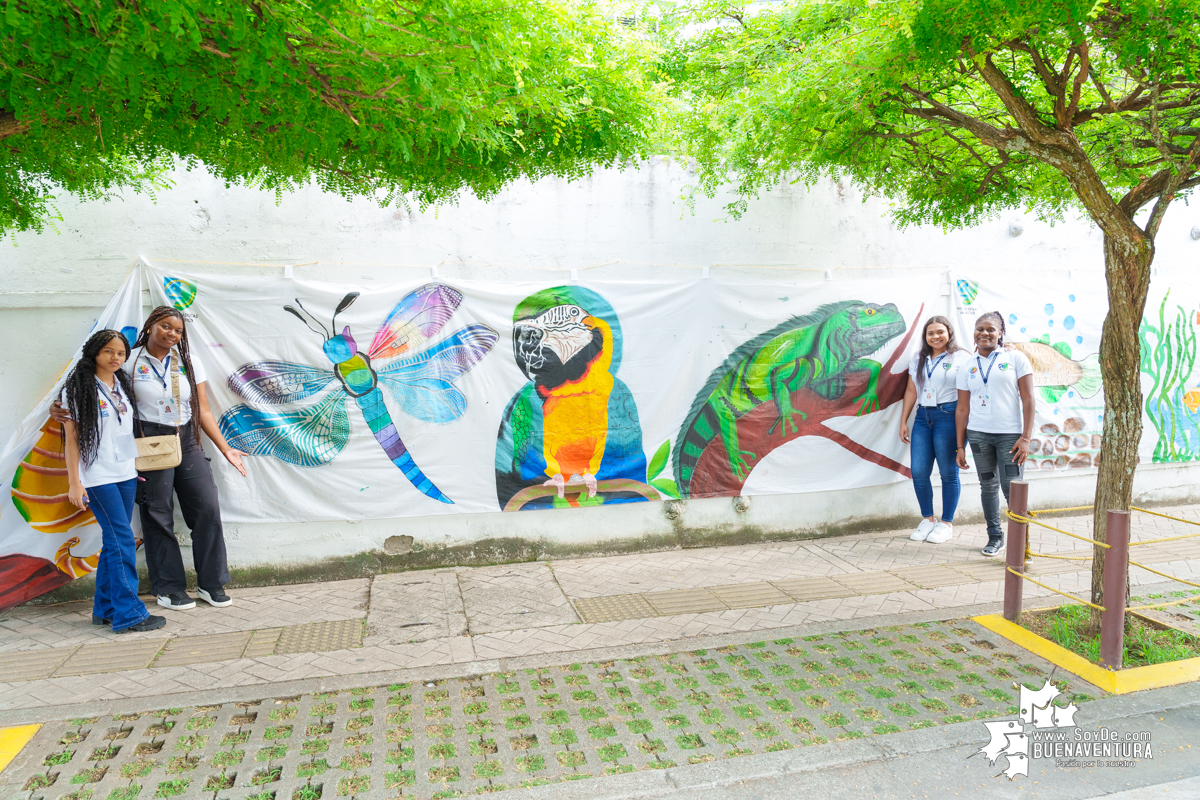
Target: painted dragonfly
419,375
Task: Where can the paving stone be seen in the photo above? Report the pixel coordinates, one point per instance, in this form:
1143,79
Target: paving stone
611,609
750,595
115,657
874,583
513,596
803,589
686,601
481,733
415,607
194,649
318,637
30,665
930,577
262,643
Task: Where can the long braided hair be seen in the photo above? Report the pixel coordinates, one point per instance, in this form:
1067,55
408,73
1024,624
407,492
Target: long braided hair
156,316
952,346
83,396
999,319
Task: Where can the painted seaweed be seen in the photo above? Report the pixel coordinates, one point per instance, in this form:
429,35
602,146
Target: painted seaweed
1168,354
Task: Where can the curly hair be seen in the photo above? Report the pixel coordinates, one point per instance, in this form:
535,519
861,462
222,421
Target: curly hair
83,397
999,318
156,316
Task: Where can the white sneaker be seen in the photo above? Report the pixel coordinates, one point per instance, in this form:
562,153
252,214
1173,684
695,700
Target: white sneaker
922,532
942,532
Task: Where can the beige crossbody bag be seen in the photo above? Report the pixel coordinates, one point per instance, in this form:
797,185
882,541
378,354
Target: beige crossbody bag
162,452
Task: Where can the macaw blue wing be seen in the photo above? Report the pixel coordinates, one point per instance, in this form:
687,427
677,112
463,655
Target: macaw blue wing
423,384
270,383
415,320
309,437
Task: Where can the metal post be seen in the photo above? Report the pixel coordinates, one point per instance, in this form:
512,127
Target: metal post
1014,555
1116,568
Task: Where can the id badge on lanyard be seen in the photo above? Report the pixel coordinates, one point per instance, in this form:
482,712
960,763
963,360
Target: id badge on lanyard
168,410
930,394
981,401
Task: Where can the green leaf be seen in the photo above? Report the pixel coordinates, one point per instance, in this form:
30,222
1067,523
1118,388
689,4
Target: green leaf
660,460
667,487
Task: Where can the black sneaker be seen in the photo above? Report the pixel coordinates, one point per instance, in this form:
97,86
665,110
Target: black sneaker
216,598
100,620
176,602
995,544
150,623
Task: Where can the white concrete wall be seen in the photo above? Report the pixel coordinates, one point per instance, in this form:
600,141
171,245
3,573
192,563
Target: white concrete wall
627,224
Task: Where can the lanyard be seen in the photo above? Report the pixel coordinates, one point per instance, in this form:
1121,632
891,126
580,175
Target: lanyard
991,363
117,404
162,378
929,370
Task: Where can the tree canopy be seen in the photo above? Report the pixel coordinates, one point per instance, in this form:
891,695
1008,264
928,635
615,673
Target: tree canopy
366,97
956,110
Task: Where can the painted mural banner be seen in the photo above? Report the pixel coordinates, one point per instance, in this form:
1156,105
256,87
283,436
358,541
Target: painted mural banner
452,397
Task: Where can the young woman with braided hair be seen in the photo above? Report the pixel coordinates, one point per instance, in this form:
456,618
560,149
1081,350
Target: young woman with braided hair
995,414
101,475
162,349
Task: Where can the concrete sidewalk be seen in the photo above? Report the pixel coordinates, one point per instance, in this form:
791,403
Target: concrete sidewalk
51,655
663,674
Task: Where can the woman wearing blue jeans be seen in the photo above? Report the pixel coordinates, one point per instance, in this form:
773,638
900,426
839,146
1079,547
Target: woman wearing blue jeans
932,378
102,474
995,414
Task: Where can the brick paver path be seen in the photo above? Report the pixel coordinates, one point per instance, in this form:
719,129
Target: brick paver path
477,617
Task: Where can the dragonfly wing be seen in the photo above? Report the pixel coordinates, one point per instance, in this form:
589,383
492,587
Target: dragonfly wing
309,437
415,320
276,382
423,384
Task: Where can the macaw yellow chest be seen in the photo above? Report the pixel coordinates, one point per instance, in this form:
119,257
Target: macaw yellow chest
575,424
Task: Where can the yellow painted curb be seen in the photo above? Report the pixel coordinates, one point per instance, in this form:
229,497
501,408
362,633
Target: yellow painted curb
12,740
1122,681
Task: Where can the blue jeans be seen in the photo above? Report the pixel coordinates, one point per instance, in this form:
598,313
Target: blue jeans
116,575
933,436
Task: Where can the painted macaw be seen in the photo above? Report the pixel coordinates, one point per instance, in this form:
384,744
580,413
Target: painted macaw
575,421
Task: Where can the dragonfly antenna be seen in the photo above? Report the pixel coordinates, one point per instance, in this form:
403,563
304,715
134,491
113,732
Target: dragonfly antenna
299,316
347,301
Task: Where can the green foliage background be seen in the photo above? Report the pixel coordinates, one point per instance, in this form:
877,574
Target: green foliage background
385,98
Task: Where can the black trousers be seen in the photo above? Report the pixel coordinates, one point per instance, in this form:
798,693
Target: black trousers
193,482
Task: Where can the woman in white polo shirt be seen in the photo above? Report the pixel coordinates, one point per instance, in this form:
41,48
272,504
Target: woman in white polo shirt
932,387
995,413
102,476
162,346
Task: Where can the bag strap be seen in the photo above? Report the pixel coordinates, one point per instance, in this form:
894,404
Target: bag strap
175,380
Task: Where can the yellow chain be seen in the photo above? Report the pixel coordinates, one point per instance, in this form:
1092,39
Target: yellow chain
1059,510
1160,605
1028,521
1163,574
1056,591
1061,558
1164,516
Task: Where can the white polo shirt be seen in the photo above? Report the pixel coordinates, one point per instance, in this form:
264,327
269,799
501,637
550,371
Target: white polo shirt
995,396
941,377
117,453
152,382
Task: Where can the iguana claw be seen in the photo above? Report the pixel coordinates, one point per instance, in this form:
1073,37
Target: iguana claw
739,463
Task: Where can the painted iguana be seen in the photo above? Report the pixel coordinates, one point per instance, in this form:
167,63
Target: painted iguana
816,352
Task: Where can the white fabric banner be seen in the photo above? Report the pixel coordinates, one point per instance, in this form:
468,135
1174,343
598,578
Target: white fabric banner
450,397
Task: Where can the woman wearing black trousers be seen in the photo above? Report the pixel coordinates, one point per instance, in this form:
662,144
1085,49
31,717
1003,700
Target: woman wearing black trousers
161,350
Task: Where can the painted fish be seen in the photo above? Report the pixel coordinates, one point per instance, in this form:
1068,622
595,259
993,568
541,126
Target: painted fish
1052,368
1191,399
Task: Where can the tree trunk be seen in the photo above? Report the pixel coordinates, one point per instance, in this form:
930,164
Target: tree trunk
1127,262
